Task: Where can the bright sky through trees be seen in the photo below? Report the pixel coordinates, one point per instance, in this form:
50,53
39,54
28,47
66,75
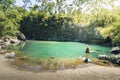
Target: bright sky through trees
84,6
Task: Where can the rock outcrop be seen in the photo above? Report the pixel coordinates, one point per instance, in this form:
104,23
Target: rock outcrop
115,50
22,37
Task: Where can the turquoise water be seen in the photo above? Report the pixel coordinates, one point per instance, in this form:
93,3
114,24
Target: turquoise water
45,49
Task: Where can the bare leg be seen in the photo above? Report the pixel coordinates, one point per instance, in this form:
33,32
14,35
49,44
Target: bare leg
87,55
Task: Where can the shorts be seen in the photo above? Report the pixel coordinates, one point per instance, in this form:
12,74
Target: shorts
87,52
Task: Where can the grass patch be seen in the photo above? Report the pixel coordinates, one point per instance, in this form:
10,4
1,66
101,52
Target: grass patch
101,62
49,64
55,63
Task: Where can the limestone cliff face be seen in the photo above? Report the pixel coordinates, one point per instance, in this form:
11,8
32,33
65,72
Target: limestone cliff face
75,32
91,34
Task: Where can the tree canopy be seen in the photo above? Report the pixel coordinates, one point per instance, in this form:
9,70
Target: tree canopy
66,20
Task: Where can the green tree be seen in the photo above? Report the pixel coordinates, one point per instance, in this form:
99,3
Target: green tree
9,19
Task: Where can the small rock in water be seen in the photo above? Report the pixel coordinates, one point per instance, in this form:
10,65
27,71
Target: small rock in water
52,57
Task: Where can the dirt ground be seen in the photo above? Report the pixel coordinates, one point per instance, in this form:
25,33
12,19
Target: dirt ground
83,72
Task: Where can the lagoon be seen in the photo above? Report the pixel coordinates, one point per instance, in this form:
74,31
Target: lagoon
46,49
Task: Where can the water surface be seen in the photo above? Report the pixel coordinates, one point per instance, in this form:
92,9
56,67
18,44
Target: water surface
45,49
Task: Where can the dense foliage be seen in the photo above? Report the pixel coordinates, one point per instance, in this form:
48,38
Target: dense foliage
63,20
9,18
113,28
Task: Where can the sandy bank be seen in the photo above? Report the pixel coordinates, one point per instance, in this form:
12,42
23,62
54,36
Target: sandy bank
83,72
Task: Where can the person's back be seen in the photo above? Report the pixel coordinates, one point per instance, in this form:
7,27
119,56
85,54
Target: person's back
87,51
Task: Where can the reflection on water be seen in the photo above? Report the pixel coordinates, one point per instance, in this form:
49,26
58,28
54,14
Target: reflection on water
45,49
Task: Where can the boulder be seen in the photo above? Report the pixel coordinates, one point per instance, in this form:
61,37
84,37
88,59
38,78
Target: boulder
118,61
14,41
117,56
7,43
10,55
115,50
115,61
1,41
3,51
103,57
87,60
22,37
6,39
